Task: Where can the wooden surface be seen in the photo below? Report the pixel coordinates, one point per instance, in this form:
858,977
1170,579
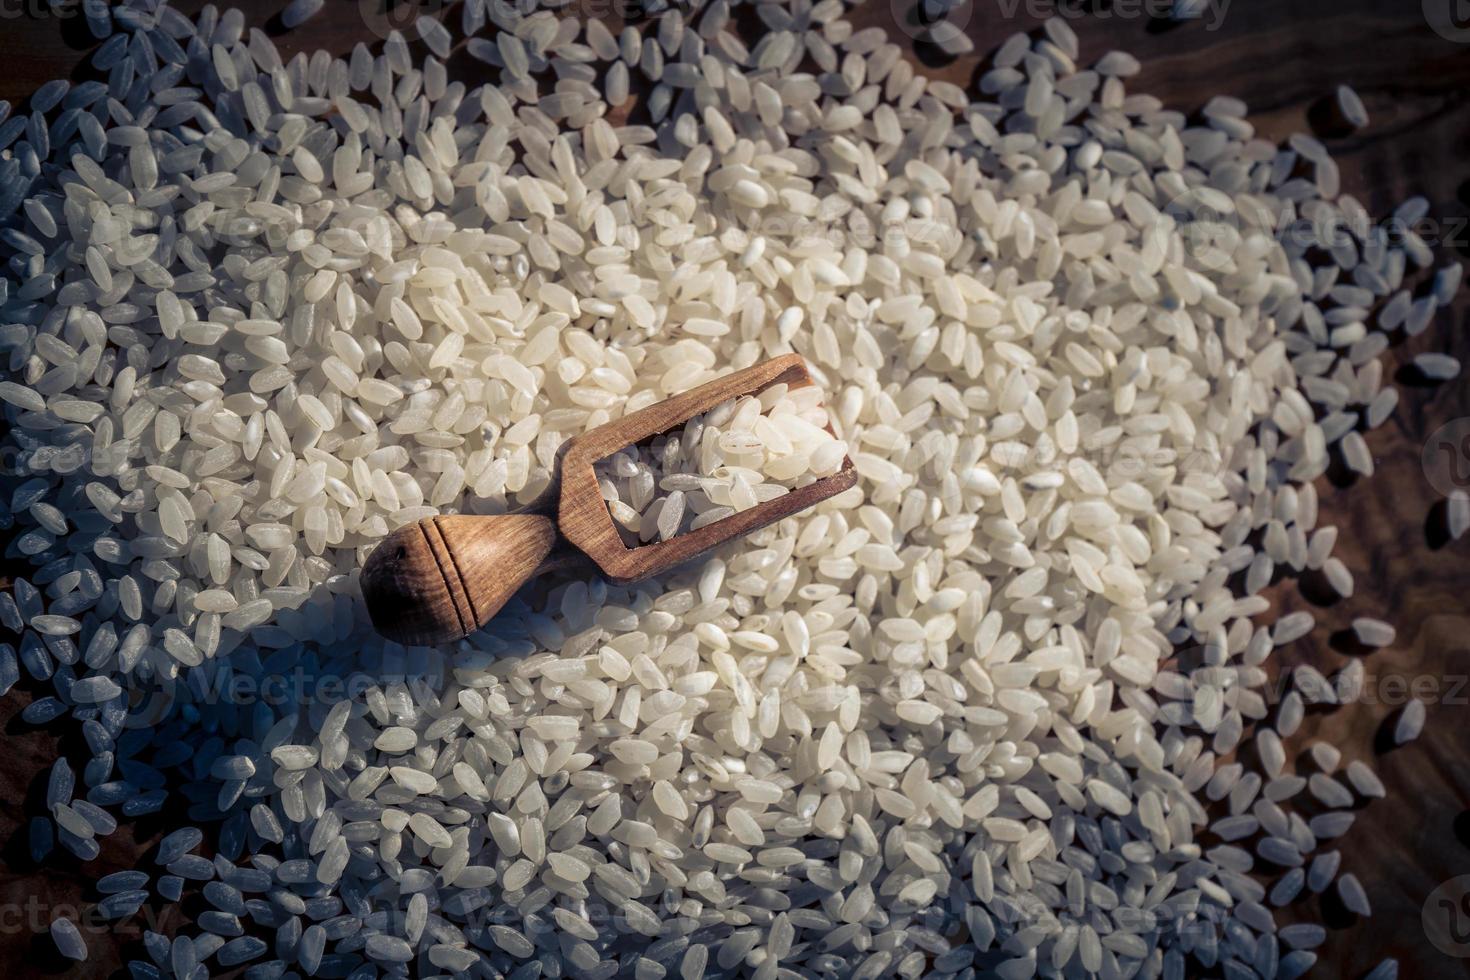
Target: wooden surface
1283,57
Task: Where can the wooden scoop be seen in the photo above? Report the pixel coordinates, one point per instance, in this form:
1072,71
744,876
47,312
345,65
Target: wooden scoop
442,578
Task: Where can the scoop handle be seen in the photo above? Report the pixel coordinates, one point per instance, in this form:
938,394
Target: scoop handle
441,578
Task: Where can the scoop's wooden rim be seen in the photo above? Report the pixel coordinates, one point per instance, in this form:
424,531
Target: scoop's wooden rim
583,515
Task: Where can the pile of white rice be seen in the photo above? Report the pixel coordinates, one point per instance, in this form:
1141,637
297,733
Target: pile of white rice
257,314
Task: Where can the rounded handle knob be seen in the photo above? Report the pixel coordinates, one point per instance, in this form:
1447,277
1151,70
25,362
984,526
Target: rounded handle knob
441,578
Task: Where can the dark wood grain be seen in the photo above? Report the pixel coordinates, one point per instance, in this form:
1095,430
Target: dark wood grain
1284,58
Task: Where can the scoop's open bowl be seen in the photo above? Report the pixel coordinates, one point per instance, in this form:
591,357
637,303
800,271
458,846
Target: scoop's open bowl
583,515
